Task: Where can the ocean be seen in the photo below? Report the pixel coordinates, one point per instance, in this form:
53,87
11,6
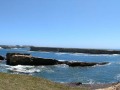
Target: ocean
108,73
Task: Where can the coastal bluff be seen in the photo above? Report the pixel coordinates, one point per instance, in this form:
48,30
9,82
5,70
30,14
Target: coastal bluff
75,50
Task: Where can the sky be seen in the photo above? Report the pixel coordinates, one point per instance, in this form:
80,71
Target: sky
61,23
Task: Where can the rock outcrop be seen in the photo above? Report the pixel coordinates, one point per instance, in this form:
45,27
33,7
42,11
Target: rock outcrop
1,57
9,55
27,59
84,64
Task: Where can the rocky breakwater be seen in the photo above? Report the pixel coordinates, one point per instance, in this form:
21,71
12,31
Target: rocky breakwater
27,59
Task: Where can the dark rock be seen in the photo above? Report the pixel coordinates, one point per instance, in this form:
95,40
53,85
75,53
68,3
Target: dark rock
19,60
77,83
84,64
1,57
102,63
63,62
9,55
44,61
29,60
74,84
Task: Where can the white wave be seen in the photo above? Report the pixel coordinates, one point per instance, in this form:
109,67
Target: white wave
61,53
1,48
62,66
91,81
115,54
117,77
44,52
23,69
85,54
62,60
14,48
78,54
102,65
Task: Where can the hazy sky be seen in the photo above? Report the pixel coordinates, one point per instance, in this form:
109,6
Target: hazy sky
61,23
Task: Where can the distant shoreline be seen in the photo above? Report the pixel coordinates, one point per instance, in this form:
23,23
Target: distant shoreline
75,50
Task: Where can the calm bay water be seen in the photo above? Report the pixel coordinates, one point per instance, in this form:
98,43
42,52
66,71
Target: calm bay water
62,73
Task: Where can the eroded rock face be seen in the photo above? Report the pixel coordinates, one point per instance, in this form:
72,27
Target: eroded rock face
1,57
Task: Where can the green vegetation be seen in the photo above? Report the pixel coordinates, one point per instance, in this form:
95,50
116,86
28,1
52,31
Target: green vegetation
25,82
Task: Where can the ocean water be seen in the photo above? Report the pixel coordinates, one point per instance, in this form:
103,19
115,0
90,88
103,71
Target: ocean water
62,73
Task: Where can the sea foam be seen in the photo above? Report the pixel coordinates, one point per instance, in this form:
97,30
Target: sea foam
23,69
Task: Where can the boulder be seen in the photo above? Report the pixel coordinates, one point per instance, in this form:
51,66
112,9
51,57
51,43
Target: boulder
1,57
84,64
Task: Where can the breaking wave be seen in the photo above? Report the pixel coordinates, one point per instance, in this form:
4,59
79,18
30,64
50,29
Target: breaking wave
102,65
29,69
117,77
61,53
85,54
23,69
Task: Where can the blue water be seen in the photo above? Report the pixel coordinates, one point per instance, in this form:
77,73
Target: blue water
62,73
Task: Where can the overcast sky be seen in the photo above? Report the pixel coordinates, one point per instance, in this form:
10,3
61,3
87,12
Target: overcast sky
61,23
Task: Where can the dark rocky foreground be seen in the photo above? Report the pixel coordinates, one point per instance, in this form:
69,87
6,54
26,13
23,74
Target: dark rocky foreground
75,50
27,59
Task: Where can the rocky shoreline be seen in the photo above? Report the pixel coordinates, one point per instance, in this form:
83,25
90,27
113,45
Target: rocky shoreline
75,50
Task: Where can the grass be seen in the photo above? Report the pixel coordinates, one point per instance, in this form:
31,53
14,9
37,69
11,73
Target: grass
25,82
